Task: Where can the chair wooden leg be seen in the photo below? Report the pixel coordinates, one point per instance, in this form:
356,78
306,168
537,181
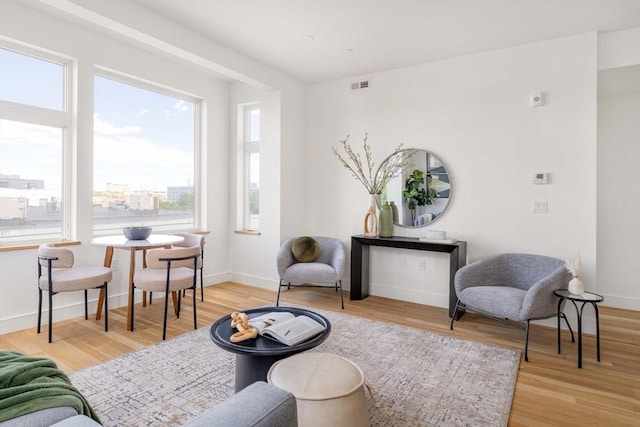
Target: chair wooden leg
39,307
341,297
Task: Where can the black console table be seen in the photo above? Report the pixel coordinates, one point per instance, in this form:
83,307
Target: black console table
360,260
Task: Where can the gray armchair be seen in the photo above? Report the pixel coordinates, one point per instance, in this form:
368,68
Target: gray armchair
512,288
327,268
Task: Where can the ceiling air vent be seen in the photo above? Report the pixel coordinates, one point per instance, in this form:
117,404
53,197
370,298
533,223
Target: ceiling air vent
360,85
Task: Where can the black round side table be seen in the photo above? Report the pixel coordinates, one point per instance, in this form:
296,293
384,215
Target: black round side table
584,298
255,357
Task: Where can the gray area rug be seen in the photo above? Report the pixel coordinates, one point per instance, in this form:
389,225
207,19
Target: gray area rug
418,378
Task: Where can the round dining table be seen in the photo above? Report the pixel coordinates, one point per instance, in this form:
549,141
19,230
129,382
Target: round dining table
120,242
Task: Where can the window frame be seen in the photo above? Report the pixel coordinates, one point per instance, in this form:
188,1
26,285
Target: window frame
246,149
198,155
62,119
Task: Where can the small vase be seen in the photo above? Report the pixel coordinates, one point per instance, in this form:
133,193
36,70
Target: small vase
386,220
370,218
394,209
576,286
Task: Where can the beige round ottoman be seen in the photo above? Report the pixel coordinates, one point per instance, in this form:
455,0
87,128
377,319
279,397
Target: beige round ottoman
329,389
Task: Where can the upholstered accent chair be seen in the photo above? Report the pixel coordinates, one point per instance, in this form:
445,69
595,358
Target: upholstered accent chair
512,287
189,241
326,270
60,275
169,270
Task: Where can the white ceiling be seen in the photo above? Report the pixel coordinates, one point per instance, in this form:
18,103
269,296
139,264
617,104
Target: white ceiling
385,34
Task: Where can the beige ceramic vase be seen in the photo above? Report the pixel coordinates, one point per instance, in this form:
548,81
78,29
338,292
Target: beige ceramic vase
370,218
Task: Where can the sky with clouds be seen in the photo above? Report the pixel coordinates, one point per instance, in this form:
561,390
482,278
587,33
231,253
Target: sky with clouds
142,138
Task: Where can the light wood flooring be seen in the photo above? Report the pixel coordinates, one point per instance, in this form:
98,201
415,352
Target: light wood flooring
550,389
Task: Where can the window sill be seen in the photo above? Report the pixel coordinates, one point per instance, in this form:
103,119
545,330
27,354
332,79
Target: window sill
248,232
16,247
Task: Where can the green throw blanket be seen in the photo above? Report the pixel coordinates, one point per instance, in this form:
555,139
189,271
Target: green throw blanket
29,384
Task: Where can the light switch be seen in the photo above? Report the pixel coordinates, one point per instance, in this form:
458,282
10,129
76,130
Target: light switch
540,206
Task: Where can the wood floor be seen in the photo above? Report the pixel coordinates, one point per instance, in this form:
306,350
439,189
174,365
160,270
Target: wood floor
550,389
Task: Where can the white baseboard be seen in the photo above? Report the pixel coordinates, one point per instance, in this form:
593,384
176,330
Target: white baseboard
410,295
620,302
60,312
29,320
69,311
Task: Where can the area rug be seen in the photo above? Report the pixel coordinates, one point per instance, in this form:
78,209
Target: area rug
418,378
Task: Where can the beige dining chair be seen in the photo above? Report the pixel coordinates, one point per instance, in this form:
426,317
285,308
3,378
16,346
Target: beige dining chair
169,270
60,275
191,240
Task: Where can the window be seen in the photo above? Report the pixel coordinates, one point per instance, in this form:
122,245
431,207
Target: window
34,142
250,171
145,141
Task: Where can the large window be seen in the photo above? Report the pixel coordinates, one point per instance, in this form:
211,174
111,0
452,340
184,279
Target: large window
145,141
249,177
34,142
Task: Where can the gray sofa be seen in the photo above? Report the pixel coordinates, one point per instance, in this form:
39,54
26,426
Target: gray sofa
259,405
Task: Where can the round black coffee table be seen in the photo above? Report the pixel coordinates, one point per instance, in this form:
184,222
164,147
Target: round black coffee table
254,357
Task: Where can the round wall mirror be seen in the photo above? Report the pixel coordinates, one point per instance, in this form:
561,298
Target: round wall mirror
420,195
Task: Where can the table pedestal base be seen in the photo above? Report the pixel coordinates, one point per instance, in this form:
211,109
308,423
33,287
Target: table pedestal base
250,369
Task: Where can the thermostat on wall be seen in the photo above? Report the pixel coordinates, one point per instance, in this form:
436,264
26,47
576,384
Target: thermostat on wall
540,178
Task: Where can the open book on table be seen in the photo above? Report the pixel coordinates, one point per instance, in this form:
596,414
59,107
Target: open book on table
285,327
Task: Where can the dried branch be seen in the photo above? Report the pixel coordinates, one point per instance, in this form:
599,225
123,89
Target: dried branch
394,166
574,266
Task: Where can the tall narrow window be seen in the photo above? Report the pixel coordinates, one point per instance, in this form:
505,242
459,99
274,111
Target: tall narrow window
251,168
34,141
145,142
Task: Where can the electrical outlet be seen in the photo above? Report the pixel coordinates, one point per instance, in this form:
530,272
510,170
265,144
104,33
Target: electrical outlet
403,263
422,265
540,206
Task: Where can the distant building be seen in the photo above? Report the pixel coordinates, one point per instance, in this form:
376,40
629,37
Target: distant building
117,188
17,183
174,193
143,202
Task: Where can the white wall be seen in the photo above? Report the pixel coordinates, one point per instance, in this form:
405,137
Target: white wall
472,112
618,171
619,197
18,269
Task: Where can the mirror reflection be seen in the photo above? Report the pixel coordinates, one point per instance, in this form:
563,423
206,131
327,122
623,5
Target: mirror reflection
420,195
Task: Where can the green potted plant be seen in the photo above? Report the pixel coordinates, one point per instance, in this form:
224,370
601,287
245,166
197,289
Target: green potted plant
415,194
